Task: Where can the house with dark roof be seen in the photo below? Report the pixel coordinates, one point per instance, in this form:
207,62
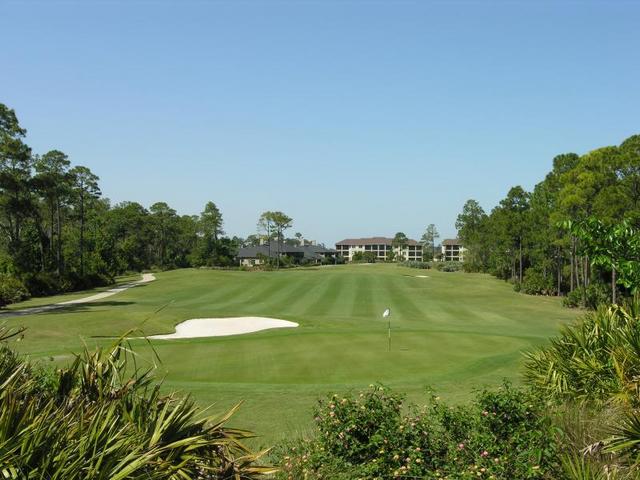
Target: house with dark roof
250,256
452,250
380,247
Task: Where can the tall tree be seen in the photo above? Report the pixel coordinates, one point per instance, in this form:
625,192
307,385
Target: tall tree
210,229
16,201
53,175
211,221
627,172
400,241
266,227
513,212
85,189
251,241
429,238
130,238
163,217
471,224
281,223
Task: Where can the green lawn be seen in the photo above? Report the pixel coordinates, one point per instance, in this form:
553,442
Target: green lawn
453,331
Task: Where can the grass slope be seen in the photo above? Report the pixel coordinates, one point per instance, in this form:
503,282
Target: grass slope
452,331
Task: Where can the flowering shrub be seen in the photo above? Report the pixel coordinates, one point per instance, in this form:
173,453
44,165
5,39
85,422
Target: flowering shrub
503,434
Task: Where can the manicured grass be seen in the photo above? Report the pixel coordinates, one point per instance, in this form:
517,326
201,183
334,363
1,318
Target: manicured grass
64,297
452,331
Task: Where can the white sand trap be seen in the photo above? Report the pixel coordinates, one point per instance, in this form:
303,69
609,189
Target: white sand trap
422,276
220,327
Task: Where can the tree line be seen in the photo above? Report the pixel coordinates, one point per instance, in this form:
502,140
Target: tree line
527,238
58,233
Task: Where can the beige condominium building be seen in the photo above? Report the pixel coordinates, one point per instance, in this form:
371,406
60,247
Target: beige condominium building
452,250
380,247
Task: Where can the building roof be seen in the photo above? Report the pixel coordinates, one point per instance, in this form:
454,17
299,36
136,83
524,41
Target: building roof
318,249
372,241
308,251
452,241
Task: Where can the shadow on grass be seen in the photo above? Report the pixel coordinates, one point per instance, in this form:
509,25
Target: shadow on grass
63,309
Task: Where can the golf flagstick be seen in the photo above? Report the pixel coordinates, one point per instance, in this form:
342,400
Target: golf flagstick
387,314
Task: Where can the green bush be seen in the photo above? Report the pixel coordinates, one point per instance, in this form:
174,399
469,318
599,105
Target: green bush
416,264
12,290
364,257
574,298
535,282
86,282
503,434
449,266
41,284
592,297
332,261
340,260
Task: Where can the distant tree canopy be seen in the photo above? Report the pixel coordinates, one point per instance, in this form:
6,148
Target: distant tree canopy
55,227
525,237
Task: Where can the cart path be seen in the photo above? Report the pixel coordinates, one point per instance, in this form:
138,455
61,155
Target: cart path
146,277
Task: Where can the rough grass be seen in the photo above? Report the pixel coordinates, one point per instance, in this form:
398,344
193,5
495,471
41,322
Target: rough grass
452,331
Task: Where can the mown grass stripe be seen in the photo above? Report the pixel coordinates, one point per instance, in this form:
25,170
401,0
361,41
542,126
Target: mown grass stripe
443,328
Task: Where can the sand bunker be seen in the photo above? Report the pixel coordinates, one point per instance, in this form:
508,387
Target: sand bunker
422,276
220,327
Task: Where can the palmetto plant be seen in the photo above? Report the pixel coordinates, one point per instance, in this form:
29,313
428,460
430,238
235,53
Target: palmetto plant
596,359
106,419
579,467
596,362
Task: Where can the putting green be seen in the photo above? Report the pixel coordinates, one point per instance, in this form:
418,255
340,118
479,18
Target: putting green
452,331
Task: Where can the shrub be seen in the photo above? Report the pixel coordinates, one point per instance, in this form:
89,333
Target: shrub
573,299
503,434
285,261
364,257
592,297
12,290
449,266
598,294
535,282
86,282
416,264
41,284
332,261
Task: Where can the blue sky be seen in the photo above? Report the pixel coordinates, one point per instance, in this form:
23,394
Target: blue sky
356,118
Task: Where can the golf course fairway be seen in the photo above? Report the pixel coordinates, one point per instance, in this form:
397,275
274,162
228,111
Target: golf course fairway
452,331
